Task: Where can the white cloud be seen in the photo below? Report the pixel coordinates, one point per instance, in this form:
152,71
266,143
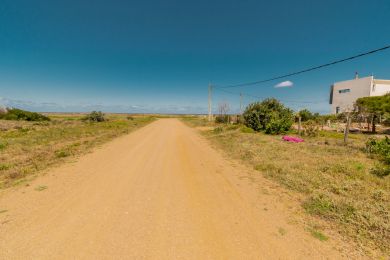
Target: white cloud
284,84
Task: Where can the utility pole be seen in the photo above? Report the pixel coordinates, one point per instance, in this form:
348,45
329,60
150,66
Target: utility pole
240,103
346,131
299,124
210,112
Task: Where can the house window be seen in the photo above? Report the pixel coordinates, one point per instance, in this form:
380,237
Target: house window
337,110
344,90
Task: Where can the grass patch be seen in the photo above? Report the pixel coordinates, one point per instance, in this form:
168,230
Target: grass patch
334,179
4,167
282,231
30,147
319,205
319,235
3,146
62,153
40,188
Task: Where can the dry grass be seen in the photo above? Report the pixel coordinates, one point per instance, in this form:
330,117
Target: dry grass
334,179
27,148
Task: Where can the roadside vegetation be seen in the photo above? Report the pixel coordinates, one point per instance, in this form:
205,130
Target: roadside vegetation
345,185
29,147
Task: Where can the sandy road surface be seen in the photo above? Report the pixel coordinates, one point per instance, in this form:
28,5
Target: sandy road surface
158,193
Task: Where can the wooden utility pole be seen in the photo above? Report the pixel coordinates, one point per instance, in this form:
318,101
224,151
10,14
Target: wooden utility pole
299,125
240,103
210,113
346,130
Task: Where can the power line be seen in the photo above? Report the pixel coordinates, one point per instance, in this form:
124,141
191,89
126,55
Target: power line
305,70
283,100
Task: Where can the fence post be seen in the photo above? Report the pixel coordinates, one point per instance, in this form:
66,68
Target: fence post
299,125
346,131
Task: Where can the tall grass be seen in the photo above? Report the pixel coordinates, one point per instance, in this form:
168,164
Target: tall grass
335,180
26,148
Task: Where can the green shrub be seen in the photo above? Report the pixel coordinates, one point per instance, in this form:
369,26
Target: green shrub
95,116
245,129
218,130
380,148
3,145
306,115
62,153
310,128
19,114
269,116
222,119
319,204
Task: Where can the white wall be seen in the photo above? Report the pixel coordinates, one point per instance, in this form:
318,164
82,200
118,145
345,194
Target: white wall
380,87
358,88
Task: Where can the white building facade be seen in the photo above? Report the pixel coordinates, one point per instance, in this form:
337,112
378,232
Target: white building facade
344,94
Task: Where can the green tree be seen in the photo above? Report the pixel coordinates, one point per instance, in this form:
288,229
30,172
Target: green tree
305,115
373,107
269,116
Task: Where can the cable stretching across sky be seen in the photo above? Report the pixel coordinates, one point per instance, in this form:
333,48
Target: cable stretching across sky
284,100
306,70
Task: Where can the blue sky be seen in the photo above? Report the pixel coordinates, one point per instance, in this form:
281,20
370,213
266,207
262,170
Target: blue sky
159,56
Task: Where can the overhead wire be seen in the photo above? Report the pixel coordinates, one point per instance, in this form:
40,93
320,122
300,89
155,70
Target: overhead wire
283,100
305,70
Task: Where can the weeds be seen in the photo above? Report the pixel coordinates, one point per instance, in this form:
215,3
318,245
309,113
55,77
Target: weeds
4,167
318,234
40,188
320,205
26,152
218,130
282,231
381,149
62,153
335,180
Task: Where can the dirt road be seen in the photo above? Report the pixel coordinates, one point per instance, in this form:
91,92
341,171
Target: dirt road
161,192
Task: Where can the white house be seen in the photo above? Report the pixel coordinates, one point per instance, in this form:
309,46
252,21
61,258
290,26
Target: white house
344,94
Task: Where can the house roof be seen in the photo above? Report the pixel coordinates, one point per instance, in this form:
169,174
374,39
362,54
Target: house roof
382,81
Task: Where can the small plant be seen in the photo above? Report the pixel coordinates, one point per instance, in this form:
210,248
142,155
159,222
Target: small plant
3,146
95,116
4,167
218,130
310,128
247,130
222,119
380,149
62,153
282,231
320,205
318,234
41,188
223,116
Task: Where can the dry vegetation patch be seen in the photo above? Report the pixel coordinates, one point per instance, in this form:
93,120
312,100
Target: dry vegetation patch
29,147
335,179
